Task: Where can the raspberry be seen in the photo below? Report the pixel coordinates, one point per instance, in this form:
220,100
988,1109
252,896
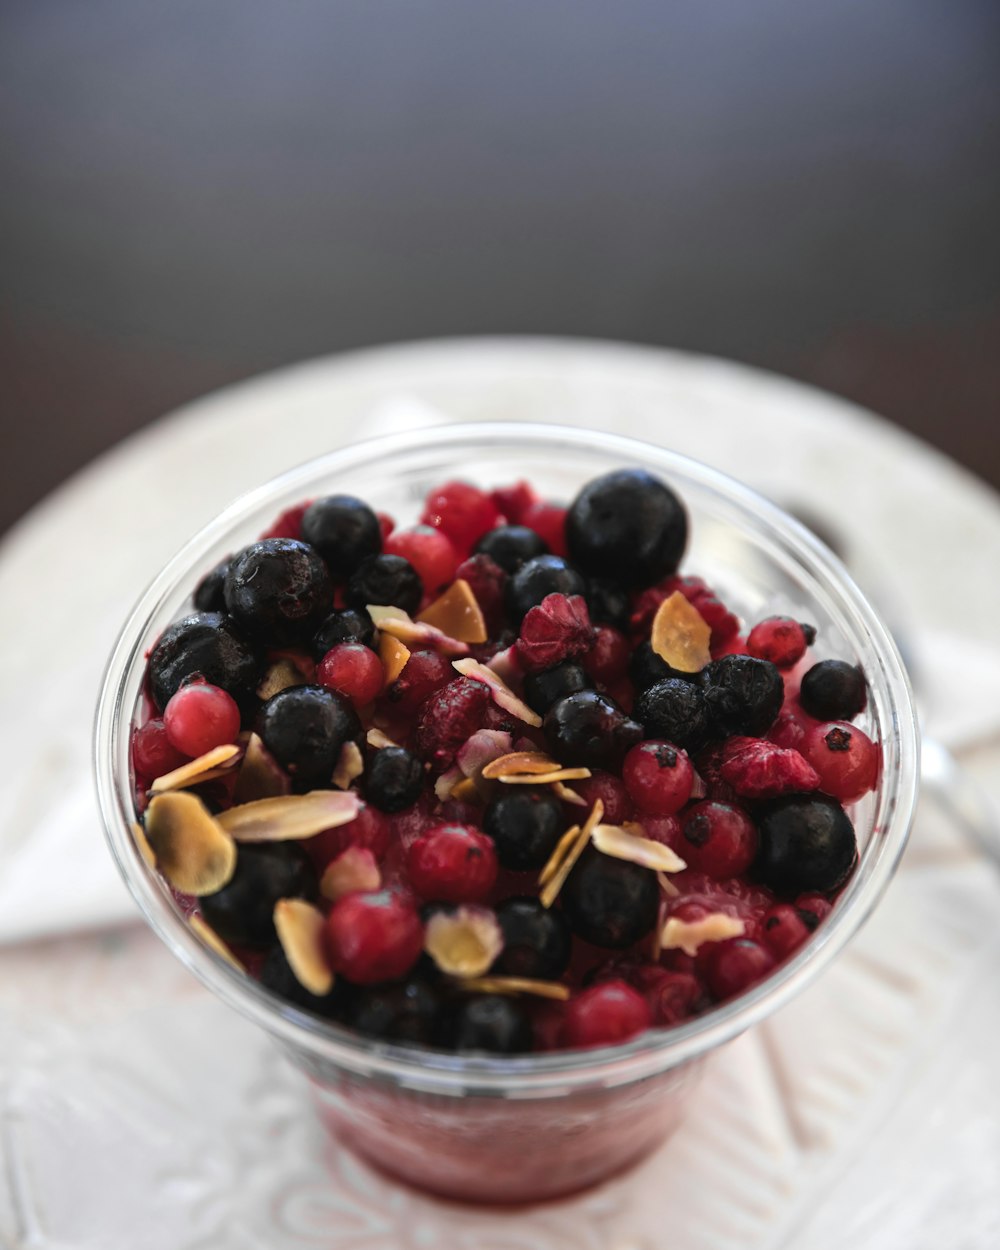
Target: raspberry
605,1014
757,769
845,759
608,657
430,551
462,511
289,523
717,839
733,966
353,670
200,717
549,523
556,629
780,640
790,729
373,937
423,673
658,777
449,717
452,864
152,753
486,581
514,501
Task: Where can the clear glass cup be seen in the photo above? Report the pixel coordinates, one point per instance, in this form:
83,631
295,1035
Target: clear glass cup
533,1127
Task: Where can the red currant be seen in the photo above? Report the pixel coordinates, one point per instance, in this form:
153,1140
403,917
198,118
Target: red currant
452,864
734,965
549,523
200,717
463,512
605,1014
369,830
658,777
152,752
353,670
612,793
845,757
785,929
373,937
423,674
430,551
780,640
718,839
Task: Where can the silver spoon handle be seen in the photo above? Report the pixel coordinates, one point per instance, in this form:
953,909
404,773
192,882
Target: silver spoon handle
961,796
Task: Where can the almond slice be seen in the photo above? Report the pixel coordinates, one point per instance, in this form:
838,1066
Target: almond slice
354,870
465,943
550,891
615,841
350,765
555,860
680,635
299,927
260,775
394,621
142,845
517,985
667,886
456,614
290,816
377,739
544,779
502,694
214,942
567,795
465,791
195,853
214,763
279,676
689,935
394,655
520,762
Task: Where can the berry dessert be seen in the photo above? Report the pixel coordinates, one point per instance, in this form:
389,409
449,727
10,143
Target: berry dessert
502,781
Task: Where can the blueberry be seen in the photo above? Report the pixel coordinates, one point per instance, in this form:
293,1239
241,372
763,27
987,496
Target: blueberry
590,730
833,690
304,728
278,591
608,603
525,827
675,710
344,531
243,911
538,577
348,625
404,1011
744,695
541,690
388,580
209,594
536,941
807,844
486,1022
510,545
645,668
277,976
394,779
629,526
608,902
207,644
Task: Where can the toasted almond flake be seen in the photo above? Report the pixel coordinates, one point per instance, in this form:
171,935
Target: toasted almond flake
456,614
680,635
142,845
260,775
447,782
465,943
517,985
550,892
465,791
554,862
394,655
205,768
615,841
544,779
211,939
667,886
689,935
567,795
656,937
394,621
502,694
280,676
290,816
377,739
350,765
353,870
520,762
299,927
193,850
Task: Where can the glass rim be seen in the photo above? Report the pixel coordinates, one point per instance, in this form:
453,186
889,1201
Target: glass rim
530,1075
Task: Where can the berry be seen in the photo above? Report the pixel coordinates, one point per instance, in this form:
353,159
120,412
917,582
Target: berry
510,545
525,826
807,843
423,674
785,929
403,1012
369,830
790,728
555,630
676,710
548,521
353,670
733,966
200,717
646,668
608,603
514,501
463,512
812,908
845,759
612,793
487,581
305,728
627,525
209,594
543,689
242,912
757,769
386,524
717,839
348,625
278,591
207,645
288,524
452,864
658,777
344,531
833,690
387,580
607,659
780,640
604,1015
536,941
723,624
610,902
487,1022
430,551
394,779
537,578
373,937
590,730
672,996
152,752
744,694
448,718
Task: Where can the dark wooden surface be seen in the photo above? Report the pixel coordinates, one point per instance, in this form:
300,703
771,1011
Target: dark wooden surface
191,193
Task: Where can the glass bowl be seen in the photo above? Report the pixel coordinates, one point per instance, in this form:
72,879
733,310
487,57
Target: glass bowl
533,1127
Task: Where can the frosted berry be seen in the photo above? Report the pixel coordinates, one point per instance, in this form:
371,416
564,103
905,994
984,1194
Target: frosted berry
448,718
677,710
344,530
353,670
718,839
758,769
463,512
845,759
555,630
452,864
278,591
780,640
658,777
200,717
430,551
152,752
604,1015
373,937
744,694
833,690
733,966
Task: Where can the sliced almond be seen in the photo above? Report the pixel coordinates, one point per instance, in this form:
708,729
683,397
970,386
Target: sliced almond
517,985
567,795
279,676
211,939
193,850
290,816
544,779
555,860
502,694
520,762
350,765
550,891
260,775
615,841
394,621
299,927
680,635
394,655
142,845
354,870
465,943
689,935
465,791
667,886
447,782
214,763
656,937
377,739
456,614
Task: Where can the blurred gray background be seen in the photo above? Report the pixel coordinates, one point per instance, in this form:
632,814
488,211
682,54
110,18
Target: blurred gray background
191,193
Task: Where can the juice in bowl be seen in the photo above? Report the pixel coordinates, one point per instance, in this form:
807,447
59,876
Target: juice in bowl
503,774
